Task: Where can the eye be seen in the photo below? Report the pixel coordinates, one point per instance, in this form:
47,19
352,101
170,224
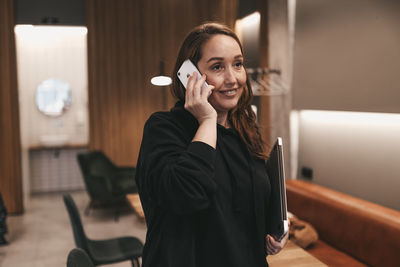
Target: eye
238,64
216,67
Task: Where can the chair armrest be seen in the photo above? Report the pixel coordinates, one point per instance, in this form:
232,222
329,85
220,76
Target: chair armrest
124,182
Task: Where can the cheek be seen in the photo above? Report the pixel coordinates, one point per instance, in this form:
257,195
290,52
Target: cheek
215,81
242,79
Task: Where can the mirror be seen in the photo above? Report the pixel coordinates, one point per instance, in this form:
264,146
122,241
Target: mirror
53,97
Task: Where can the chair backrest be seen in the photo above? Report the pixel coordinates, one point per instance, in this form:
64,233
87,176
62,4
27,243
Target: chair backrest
83,161
77,227
99,164
77,257
95,165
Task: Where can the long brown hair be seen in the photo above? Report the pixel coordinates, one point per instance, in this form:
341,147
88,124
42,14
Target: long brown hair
242,116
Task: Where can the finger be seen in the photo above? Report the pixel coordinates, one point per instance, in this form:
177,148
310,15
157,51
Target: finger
189,91
191,83
270,242
273,241
274,245
270,239
198,85
207,91
269,247
196,90
285,240
271,251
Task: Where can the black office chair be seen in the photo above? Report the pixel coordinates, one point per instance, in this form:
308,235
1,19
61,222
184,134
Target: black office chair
106,183
3,224
103,251
77,257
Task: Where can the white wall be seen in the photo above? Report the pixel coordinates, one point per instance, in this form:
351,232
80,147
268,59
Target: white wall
352,152
347,58
51,52
347,55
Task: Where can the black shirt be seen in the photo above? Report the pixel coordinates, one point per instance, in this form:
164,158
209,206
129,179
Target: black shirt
203,206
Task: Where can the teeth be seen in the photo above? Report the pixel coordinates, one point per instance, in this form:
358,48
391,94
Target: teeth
230,92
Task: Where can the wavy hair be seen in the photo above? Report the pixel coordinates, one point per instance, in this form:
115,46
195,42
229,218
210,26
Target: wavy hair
242,117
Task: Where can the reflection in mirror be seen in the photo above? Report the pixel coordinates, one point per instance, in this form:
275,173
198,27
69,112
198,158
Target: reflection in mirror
53,97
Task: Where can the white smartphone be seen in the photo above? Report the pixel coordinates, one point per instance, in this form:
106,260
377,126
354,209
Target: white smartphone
186,70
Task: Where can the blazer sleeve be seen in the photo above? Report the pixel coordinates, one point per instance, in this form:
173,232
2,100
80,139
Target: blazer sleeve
173,172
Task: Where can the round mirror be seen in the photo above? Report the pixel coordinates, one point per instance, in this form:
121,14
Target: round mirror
53,97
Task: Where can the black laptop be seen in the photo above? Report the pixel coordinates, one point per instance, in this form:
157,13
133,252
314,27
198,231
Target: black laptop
277,221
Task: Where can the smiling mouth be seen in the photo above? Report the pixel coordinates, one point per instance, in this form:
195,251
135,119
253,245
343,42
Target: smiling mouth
228,92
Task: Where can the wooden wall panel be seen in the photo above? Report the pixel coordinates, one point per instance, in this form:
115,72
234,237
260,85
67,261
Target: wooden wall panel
280,57
264,114
10,146
126,42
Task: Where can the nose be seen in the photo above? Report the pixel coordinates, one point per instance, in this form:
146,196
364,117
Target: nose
229,76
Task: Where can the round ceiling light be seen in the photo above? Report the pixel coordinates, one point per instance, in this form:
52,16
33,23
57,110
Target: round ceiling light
161,80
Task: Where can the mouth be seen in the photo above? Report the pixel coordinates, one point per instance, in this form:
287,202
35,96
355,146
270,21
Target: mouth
230,92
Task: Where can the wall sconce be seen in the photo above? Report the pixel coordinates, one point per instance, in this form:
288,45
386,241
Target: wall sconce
162,79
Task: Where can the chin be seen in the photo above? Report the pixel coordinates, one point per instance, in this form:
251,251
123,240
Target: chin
225,106
222,103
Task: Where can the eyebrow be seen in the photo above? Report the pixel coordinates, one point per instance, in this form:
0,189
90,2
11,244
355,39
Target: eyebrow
221,58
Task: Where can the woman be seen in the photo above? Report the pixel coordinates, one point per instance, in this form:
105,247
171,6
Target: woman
201,168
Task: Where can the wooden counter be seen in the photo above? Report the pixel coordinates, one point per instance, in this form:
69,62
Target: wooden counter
134,202
293,255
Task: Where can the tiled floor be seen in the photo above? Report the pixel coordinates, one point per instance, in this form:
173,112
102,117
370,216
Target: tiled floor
42,236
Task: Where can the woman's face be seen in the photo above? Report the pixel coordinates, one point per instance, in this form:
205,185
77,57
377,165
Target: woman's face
222,63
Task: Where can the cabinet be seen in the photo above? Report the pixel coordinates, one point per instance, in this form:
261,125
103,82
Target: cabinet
55,169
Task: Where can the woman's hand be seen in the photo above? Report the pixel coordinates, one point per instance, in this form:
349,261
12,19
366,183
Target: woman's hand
273,246
196,100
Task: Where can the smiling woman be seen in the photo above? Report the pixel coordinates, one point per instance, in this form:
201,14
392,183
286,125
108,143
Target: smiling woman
225,72
241,116
201,170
